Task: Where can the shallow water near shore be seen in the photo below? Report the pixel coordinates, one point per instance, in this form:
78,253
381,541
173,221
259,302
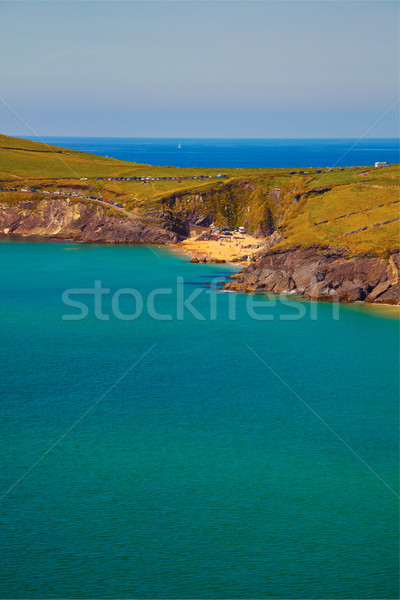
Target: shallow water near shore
225,456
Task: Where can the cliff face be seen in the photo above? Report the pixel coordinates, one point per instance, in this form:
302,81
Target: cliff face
323,274
230,204
81,221
329,274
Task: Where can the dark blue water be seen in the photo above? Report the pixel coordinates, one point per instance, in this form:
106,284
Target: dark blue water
201,473
226,153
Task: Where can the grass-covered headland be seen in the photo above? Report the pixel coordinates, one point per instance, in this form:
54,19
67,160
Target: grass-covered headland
356,208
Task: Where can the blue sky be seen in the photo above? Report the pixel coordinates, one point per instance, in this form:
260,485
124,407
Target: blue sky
270,68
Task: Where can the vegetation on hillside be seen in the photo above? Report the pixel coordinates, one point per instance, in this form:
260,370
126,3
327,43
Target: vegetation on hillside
356,208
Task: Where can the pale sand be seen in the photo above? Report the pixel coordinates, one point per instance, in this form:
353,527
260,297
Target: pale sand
228,249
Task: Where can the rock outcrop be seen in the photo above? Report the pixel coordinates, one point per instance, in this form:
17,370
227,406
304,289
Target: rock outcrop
84,221
322,274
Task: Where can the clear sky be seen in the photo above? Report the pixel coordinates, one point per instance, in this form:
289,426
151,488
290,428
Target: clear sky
269,68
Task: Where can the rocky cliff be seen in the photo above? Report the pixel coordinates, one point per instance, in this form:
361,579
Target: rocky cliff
83,221
322,274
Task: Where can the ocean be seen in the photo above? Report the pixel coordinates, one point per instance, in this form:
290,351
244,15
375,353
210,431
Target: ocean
161,439
240,153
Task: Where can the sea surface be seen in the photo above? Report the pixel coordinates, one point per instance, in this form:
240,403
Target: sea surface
213,454
224,153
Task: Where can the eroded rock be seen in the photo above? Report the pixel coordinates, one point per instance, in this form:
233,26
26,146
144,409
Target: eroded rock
329,274
86,222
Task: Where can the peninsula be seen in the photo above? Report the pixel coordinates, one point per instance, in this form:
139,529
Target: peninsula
324,233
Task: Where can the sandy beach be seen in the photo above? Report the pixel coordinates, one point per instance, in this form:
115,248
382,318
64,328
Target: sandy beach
227,248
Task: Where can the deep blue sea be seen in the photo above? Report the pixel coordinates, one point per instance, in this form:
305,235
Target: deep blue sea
226,153
213,449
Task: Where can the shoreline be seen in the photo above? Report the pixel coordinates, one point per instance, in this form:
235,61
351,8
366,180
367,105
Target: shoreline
237,249
177,249
295,296
205,252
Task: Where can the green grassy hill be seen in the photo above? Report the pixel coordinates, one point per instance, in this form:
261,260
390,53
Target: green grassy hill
356,208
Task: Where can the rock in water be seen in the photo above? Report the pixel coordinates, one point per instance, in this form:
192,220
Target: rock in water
323,274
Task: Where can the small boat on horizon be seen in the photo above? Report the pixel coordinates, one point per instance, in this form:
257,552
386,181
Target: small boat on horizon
179,146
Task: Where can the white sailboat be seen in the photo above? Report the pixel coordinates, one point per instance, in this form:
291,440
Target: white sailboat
179,146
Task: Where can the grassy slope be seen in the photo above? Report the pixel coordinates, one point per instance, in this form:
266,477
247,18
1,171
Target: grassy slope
363,201
299,212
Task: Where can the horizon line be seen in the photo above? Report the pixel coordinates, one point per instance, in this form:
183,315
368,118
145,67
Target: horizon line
142,137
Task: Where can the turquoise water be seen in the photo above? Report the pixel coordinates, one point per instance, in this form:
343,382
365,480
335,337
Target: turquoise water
201,474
